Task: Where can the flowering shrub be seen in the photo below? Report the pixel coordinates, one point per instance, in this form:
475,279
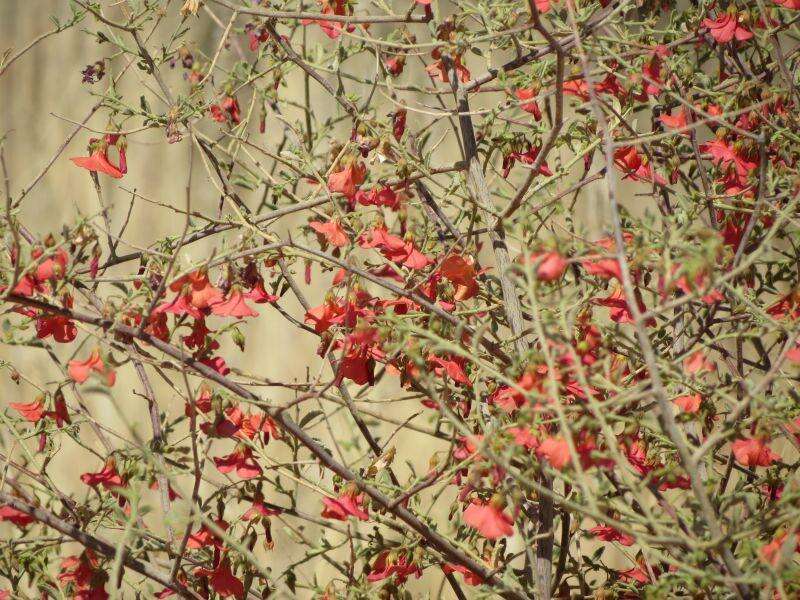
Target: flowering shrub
548,251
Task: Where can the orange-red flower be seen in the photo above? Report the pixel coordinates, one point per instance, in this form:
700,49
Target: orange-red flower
489,519
32,411
348,179
331,231
690,403
80,370
753,452
98,161
555,450
233,306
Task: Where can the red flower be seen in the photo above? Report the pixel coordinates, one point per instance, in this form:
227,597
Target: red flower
233,306
489,519
107,477
577,88
636,167
259,509
326,315
528,157
84,572
60,327
461,272
17,517
470,578
80,370
332,232
53,267
771,553
550,266
33,411
724,154
438,68
201,294
727,27
222,580
390,564
227,109
332,29
698,363
396,64
453,367
528,104
609,534
791,4
399,123
676,121
348,504
555,450
753,452
394,248
205,537
384,196
793,355
688,403
240,460
620,310
524,437
348,179
98,161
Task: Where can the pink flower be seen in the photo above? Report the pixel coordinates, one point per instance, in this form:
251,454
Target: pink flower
753,452
490,521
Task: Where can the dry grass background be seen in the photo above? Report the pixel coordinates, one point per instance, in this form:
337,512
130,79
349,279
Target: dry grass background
35,93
